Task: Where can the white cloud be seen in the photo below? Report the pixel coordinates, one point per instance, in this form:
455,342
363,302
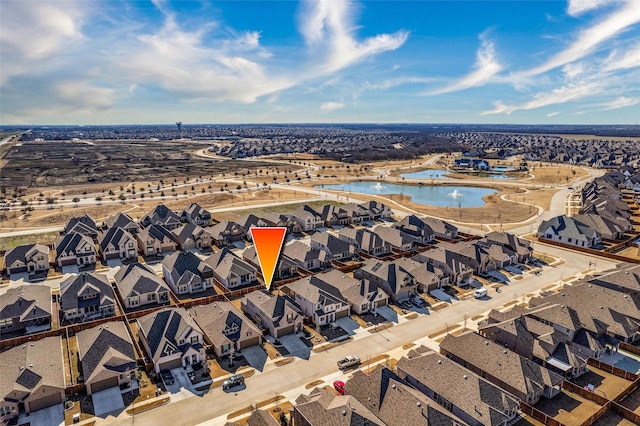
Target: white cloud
578,7
326,25
590,38
625,60
331,106
553,114
83,95
485,68
621,102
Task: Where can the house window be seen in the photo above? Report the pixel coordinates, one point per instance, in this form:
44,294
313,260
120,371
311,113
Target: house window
364,307
89,296
181,342
151,296
5,411
249,334
6,323
194,339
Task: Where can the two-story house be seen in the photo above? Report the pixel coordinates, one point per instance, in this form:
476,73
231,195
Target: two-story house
196,215
307,218
85,297
139,286
278,314
317,302
230,270
163,216
75,249
186,273
397,278
155,239
124,221
26,309
365,241
226,329
84,225
306,257
285,268
172,339
191,236
226,233
417,228
336,248
30,258
118,243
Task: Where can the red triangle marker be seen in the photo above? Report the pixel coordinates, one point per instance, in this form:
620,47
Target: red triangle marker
268,243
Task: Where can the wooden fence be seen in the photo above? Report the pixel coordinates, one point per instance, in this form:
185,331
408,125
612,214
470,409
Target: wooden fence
539,415
586,394
630,348
612,369
589,251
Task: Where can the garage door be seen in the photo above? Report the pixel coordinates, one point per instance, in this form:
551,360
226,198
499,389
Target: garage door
286,330
104,384
47,401
171,364
342,314
250,342
68,262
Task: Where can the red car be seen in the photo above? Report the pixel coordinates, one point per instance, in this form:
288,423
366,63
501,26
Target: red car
339,386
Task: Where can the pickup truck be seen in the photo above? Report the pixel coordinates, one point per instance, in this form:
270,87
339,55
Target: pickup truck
348,361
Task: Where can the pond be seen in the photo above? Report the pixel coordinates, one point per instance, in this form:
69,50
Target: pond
438,195
427,174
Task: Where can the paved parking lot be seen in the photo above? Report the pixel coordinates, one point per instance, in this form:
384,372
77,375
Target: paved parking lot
295,346
107,401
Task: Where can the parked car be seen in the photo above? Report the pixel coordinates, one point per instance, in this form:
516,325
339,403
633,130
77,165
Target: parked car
480,293
405,304
417,301
339,386
167,378
233,381
348,361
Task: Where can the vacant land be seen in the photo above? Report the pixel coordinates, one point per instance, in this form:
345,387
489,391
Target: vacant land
58,163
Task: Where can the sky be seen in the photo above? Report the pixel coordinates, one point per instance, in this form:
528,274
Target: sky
319,61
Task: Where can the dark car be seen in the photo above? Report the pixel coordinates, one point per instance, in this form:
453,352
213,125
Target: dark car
167,378
418,301
233,381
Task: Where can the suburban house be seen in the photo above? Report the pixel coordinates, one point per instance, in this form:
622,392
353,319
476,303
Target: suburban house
155,239
186,273
323,407
450,263
317,300
171,338
26,309
226,233
230,270
225,328
117,243
396,238
473,254
520,246
606,227
285,268
86,296
278,314
124,221
395,401
163,216
377,210
333,215
336,248
258,418
196,215
307,218
397,278
251,221
30,258
567,230
191,236
306,257
517,375
356,212
35,379
139,286
287,221
417,228
75,249
82,225
625,278
470,397
609,316
538,342
365,241
441,229
363,296
107,357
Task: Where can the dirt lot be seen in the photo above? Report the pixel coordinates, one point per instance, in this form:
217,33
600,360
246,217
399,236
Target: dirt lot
56,163
608,385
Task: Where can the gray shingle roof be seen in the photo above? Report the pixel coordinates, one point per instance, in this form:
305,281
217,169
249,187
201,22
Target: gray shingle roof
71,241
322,408
115,237
107,348
217,317
19,253
26,301
138,279
73,288
166,326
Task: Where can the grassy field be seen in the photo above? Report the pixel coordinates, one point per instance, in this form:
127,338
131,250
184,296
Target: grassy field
260,211
7,243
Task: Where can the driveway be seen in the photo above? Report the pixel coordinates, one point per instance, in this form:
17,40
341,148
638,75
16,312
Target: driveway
512,269
440,295
50,416
182,380
255,356
498,276
295,346
107,401
348,325
388,313
114,263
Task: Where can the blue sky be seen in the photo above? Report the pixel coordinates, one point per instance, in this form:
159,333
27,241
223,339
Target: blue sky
124,62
